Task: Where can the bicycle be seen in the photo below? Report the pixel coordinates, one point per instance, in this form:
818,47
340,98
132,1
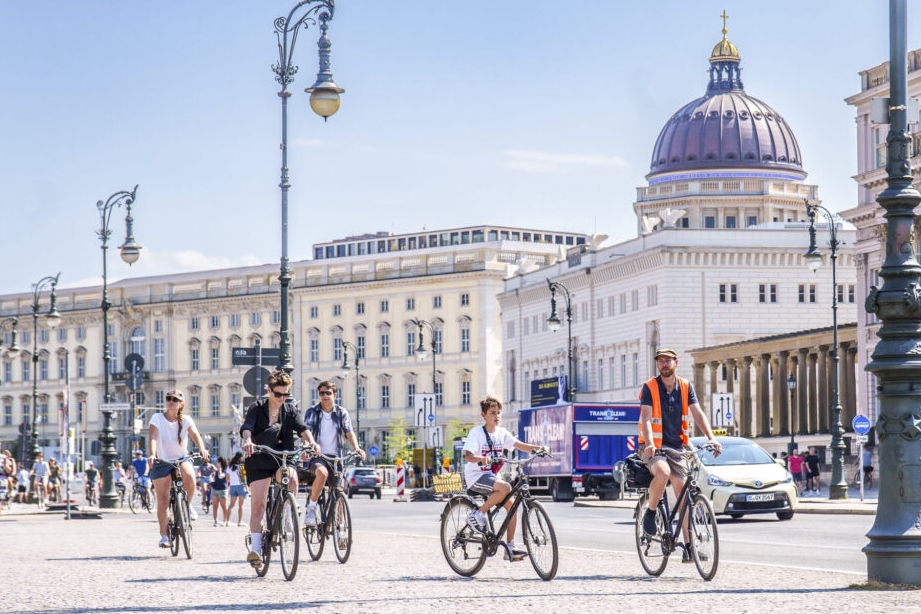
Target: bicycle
140,497
179,525
91,494
466,550
333,517
121,492
38,487
867,477
280,529
704,547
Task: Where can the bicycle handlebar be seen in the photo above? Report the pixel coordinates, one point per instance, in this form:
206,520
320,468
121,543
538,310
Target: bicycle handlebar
283,453
179,461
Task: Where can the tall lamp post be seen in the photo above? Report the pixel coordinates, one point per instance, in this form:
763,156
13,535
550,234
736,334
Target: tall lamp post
52,318
14,349
346,367
837,489
554,322
894,551
130,252
791,386
324,100
423,354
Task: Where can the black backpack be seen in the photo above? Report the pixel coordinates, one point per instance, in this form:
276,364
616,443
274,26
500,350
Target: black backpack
638,474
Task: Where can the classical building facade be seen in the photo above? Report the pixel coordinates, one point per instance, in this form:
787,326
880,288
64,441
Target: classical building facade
867,216
370,292
717,262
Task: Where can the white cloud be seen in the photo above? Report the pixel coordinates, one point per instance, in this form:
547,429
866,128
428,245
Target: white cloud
546,162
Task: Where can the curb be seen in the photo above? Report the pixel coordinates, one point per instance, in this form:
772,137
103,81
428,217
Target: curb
812,506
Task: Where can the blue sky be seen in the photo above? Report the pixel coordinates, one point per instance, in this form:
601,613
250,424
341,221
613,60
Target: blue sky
515,112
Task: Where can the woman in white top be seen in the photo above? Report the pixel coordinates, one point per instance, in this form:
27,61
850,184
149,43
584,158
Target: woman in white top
168,440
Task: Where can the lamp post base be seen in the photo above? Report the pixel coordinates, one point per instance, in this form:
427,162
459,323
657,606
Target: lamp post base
108,498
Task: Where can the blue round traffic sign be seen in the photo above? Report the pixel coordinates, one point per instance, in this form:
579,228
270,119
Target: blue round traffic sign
432,418
861,424
373,451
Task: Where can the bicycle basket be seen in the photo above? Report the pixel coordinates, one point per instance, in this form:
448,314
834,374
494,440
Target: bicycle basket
638,474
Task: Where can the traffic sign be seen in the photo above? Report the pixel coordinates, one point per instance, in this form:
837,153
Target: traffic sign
249,357
425,405
373,451
134,381
861,424
134,362
436,437
254,379
114,406
721,410
863,438
431,418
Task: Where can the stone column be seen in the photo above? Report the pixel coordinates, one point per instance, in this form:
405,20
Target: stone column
781,396
805,363
744,410
763,410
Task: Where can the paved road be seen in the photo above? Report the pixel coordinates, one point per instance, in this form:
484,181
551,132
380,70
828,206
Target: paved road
54,566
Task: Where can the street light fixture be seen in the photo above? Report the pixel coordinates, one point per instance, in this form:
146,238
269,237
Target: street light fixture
324,100
554,323
52,318
346,367
14,349
422,353
838,487
130,252
791,386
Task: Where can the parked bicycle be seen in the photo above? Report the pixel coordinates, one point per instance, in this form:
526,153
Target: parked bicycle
179,526
280,529
691,521
466,550
141,497
333,517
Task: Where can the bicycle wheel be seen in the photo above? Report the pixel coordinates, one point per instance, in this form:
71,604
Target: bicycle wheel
287,535
173,527
315,535
134,501
651,548
341,523
185,527
705,543
149,499
461,545
540,540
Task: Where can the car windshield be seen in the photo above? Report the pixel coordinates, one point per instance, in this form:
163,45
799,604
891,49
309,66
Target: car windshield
738,454
364,472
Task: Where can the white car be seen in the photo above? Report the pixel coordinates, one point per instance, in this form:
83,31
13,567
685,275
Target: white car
745,479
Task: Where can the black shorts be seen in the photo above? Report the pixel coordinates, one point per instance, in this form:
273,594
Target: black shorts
261,466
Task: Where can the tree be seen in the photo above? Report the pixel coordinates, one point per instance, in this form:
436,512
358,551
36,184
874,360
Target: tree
455,429
396,441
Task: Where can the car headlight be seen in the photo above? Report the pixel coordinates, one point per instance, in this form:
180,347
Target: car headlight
713,480
788,478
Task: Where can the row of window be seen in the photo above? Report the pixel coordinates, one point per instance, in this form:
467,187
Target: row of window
24,337
615,372
384,306
767,293
255,319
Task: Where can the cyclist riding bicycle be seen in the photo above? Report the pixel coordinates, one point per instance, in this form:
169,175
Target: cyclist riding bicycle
205,475
483,451
271,422
141,470
92,476
40,471
168,441
328,422
665,403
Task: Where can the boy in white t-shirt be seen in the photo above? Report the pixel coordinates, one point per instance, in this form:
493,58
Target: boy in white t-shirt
483,452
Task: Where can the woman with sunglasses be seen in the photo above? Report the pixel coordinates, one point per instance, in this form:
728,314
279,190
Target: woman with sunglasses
168,437
271,422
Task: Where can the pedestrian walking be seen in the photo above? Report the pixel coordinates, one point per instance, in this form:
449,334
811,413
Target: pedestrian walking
812,466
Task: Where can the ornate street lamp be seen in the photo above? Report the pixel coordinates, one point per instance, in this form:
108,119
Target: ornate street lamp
422,353
324,100
837,489
791,386
346,367
130,252
894,551
554,323
52,318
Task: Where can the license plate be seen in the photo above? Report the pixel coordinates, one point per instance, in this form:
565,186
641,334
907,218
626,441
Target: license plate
765,497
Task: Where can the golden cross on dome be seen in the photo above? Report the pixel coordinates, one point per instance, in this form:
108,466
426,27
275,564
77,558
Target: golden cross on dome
725,17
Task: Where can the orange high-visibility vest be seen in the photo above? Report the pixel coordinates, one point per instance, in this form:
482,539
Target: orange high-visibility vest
685,387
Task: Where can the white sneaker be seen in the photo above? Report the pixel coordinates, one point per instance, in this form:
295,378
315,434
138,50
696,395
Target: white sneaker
193,515
216,523
310,516
164,541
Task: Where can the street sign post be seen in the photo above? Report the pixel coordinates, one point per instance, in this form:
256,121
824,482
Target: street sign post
114,406
425,409
250,357
721,410
373,451
436,437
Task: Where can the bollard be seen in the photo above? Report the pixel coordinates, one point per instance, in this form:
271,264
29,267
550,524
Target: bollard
401,482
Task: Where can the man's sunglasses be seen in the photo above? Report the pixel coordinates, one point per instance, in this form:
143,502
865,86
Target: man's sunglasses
281,395
326,393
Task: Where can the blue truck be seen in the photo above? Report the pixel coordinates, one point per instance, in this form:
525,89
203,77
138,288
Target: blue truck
586,440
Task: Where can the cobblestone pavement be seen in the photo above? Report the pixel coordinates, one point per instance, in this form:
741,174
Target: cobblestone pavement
112,564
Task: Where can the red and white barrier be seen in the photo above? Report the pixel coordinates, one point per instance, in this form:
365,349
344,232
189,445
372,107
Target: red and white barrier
401,483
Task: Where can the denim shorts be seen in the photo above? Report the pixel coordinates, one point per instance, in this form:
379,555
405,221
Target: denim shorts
160,470
238,491
220,493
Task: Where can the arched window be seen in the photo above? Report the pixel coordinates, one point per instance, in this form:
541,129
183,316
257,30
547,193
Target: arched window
137,342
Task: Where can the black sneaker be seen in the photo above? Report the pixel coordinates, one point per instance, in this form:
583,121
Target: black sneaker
649,522
685,553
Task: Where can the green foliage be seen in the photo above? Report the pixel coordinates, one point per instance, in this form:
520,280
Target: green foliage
396,440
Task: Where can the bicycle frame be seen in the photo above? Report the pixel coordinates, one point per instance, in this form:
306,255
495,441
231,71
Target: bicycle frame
519,486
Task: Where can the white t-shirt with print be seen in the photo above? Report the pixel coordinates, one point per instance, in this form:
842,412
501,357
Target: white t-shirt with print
168,446
329,434
502,439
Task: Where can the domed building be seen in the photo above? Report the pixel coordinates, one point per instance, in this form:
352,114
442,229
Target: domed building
716,272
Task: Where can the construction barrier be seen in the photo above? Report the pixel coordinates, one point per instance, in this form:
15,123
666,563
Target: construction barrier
401,481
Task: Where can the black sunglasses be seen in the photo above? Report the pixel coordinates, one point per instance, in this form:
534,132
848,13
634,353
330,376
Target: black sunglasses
172,399
281,395
326,393
671,405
